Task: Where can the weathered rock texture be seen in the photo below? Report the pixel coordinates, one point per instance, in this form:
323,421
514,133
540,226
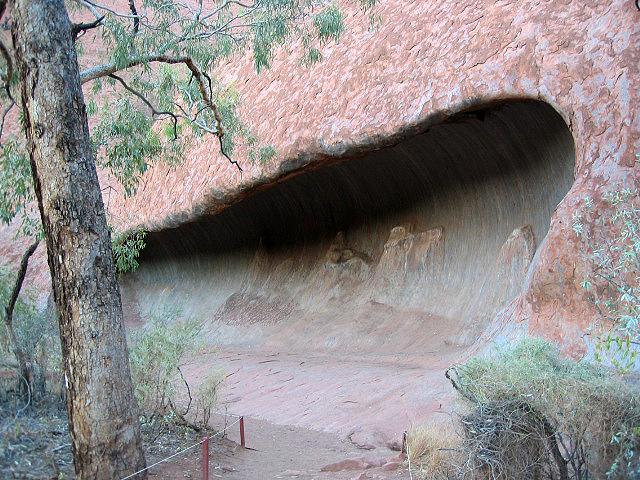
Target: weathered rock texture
498,179
421,200
409,248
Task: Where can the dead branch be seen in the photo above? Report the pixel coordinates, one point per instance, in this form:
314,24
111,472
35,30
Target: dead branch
188,392
182,420
462,391
79,29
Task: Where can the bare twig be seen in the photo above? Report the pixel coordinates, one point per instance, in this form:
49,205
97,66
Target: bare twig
99,6
26,382
188,391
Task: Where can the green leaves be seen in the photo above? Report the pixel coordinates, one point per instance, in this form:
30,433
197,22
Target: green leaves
586,405
34,329
271,30
135,120
126,249
329,24
156,353
17,198
16,184
610,233
126,142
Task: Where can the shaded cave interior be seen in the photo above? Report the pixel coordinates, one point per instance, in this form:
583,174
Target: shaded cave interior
409,247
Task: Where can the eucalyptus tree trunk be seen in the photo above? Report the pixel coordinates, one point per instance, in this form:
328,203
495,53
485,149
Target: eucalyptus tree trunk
103,416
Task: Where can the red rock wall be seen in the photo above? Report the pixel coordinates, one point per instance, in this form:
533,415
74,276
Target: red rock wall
429,60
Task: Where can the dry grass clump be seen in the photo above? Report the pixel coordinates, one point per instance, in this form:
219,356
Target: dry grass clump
431,449
534,414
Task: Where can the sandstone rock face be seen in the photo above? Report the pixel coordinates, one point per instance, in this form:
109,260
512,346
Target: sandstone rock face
410,248
427,61
422,195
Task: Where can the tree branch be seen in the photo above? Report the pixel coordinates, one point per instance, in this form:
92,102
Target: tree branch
5,112
78,29
107,9
188,392
203,80
8,312
136,18
7,58
154,111
22,271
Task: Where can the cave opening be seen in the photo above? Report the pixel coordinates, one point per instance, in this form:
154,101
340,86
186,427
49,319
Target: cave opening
408,247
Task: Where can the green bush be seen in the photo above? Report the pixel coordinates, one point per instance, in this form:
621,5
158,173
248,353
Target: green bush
157,351
610,233
37,335
534,414
206,396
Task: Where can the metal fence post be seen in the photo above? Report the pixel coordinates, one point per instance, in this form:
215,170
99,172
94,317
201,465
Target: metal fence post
242,432
205,459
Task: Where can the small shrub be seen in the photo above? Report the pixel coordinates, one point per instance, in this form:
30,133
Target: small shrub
610,233
37,335
534,414
206,397
157,351
432,451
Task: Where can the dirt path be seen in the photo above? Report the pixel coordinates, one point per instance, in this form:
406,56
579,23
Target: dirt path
371,400
315,416
286,452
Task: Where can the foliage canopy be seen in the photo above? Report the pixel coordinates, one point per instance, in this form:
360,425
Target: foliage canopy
152,85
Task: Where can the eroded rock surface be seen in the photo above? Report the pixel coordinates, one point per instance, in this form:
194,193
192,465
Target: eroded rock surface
420,204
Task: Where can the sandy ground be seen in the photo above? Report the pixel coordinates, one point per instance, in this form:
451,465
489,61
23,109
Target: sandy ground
286,452
370,400
308,413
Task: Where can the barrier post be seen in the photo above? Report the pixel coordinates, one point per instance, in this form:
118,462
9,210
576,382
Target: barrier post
205,459
242,432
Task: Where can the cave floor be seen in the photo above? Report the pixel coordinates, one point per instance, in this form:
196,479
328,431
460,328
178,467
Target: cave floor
307,411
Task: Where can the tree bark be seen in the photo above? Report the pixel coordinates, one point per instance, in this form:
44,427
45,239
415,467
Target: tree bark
103,415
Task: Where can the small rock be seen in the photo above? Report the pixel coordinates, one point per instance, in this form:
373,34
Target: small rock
348,464
390,466
362,476
394,445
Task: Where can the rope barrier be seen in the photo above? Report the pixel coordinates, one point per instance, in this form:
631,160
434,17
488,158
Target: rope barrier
226,414
182,451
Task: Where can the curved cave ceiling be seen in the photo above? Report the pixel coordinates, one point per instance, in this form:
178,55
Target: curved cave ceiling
436,233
